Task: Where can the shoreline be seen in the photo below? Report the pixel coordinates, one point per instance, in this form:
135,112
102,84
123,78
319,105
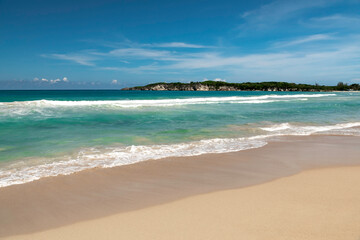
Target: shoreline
113,156
62,200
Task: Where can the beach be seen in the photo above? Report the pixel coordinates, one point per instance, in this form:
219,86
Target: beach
180,120
304,187
184,120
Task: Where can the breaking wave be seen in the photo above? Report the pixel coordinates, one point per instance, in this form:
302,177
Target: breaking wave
47,107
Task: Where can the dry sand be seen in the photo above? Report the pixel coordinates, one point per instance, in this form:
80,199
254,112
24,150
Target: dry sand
316,204
156,199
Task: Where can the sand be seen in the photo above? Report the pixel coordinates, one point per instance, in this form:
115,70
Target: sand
184,198
316,204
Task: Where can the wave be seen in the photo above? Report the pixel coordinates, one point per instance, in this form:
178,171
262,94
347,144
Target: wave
162,102
51,107
21,172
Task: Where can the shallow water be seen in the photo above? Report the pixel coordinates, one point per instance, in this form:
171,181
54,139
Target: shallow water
45,133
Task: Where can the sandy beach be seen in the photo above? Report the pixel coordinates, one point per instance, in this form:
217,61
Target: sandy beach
316,204
294,188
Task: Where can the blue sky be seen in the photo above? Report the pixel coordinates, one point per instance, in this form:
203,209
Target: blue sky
113,44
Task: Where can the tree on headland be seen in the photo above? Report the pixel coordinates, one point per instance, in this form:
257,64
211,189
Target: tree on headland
342,86
245,86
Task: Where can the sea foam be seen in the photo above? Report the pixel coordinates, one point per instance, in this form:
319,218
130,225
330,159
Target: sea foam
117,156
49,107
160,102
292,129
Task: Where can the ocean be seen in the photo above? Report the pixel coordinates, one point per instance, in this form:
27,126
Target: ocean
47,133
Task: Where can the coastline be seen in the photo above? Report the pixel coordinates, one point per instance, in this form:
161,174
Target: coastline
63,200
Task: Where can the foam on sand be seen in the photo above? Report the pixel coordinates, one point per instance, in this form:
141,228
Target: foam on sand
291,129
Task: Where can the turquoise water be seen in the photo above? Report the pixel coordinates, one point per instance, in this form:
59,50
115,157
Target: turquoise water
45,133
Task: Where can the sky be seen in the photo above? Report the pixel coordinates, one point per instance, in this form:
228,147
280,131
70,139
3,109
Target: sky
109,44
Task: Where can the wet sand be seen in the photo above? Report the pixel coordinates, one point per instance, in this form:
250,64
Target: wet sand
101,194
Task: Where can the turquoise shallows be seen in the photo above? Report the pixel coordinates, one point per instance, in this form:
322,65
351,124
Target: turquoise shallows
40,127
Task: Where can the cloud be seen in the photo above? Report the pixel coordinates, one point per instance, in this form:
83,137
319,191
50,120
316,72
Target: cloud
111,68
333,59
123,54
336,21
178,45
278,11
334,63
55,81
145,68
306,39
271,60
114,81
51,81
139,52
337,60
126,43
216,60
82,59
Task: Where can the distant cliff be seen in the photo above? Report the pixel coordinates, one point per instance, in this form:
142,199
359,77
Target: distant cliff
246,86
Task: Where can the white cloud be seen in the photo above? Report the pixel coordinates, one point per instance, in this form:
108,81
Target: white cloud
216,60
306,39
334,59
339,61
139,52
83,59
151,67
336,21
55,81
130,44
146,51
111,68
278,11
51,81
178,45
114,81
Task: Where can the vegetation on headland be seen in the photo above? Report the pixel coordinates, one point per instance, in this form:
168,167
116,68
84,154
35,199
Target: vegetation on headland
245,86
